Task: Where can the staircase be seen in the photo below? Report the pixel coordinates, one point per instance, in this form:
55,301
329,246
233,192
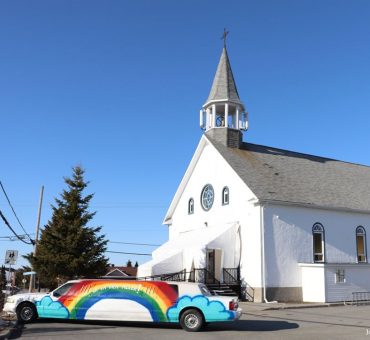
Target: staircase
221,289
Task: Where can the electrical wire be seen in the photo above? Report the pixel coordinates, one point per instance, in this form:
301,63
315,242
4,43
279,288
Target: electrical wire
2,187
12,230
122,252
136,244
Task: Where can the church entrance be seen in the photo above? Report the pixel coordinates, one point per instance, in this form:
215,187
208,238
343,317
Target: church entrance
213,265
210,261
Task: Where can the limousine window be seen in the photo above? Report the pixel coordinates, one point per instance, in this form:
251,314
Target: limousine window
175,288
204,290
62,290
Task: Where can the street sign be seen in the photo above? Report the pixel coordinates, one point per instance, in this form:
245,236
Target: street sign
11,257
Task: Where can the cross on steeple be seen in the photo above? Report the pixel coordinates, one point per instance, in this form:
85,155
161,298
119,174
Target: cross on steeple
224,35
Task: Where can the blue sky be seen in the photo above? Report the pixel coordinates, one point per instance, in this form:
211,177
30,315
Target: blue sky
117,85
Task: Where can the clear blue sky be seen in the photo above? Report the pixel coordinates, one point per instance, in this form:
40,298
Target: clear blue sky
116,86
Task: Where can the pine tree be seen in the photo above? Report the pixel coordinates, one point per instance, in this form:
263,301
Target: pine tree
68,247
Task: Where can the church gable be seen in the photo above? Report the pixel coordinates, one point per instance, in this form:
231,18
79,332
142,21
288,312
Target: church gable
209,192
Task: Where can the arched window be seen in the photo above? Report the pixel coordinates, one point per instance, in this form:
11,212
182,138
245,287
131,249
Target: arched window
225,196
361,244
191,206
318,237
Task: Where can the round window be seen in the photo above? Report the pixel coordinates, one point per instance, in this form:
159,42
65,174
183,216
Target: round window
207,197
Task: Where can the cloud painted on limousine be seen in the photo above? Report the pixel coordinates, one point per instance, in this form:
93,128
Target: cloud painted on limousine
212,310
47,308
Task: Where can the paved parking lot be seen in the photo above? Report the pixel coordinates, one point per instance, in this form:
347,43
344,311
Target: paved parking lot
341,322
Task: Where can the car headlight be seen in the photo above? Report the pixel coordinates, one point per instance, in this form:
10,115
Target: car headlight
10,299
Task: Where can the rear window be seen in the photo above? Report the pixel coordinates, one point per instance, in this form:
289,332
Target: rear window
205,291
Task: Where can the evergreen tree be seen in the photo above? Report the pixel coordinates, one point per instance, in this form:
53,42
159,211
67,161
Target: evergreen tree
68,247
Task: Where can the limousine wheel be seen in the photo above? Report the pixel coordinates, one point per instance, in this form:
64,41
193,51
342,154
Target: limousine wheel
26,312
191,320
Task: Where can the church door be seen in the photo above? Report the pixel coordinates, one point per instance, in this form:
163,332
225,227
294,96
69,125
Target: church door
210,265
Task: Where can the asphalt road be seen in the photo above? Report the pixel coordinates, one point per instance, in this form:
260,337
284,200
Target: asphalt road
342,322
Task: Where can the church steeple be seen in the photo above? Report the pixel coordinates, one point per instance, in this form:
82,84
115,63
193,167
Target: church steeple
223,108
223,87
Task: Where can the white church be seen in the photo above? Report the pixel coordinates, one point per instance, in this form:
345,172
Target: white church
277,225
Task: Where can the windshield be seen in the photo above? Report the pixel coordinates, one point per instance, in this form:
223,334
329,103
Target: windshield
62,290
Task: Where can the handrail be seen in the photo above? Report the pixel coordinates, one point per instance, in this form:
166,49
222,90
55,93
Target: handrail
231,275
360,298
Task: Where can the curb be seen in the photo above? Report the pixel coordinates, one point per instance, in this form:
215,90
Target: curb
334,304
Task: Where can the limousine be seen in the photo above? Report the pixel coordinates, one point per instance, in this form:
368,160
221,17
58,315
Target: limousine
190,304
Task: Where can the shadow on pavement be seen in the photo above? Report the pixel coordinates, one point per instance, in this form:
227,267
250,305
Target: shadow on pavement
49,325
252,326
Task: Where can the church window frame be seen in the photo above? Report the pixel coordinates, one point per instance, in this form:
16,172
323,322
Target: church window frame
318,243
361,245
207,197
340,275
191,206
225,196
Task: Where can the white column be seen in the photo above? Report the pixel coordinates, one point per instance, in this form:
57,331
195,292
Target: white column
208,119
226,115
214,115
237,118
201,119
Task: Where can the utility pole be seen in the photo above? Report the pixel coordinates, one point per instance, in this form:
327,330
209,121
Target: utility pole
32,277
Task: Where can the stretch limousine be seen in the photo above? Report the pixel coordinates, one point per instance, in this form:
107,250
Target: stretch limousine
190,304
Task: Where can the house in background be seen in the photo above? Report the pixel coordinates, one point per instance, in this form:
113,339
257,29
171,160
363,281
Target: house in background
280,225
123,272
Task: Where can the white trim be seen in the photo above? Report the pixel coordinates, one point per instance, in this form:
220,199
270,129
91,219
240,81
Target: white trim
226,100
202,143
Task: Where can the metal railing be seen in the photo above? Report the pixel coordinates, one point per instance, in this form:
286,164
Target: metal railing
231,276
360,298
202,275
178,276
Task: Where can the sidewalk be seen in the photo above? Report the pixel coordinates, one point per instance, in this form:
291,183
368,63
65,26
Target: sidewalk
257,306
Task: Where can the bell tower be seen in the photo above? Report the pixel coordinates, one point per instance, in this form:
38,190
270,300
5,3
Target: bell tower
223,116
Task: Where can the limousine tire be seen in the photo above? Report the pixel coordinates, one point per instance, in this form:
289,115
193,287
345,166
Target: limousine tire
26,312
192,320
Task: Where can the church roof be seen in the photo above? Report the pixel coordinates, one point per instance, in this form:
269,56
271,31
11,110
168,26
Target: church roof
223,87
291,177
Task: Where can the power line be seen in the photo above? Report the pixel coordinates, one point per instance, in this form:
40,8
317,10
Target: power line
136,244
12,230
122,252
2,187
